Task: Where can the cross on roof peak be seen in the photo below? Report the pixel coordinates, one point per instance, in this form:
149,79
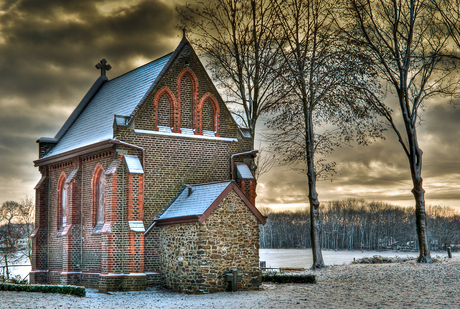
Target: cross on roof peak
103,66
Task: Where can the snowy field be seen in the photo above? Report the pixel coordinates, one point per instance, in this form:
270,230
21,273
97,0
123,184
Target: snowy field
298,258
302,258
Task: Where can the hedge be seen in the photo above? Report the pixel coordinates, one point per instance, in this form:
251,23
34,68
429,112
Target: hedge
289,278
61,289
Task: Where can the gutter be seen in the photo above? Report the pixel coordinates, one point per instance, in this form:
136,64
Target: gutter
252,152
84,150
74,153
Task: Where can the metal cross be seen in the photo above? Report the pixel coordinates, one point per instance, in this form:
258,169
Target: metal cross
103,66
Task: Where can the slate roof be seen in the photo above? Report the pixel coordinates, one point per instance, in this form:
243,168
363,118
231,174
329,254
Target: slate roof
119,96
201,197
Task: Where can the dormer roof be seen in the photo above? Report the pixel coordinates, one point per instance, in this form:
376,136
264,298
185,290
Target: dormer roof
196,202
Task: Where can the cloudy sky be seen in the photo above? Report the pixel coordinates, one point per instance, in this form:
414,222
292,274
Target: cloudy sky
48,50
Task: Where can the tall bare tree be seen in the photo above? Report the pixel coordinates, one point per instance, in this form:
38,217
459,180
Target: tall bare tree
410,47
236,40
317,70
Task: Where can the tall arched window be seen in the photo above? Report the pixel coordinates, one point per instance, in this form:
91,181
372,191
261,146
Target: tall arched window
164,112
209,109
62,202
98,196
208,116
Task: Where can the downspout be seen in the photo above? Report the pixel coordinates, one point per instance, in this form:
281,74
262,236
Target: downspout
49,222
252,152
80,166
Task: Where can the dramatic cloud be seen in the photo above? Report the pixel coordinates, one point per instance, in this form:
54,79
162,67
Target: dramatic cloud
380,171
48,52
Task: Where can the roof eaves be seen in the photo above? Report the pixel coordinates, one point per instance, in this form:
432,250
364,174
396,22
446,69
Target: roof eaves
177,220
74,152
81,106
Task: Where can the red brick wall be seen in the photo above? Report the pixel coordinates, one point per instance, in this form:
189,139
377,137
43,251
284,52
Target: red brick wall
170,162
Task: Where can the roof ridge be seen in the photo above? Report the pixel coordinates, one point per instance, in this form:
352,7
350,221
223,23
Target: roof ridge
150,62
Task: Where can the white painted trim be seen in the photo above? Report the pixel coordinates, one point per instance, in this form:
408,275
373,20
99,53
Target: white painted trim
124,275
224,139
72,273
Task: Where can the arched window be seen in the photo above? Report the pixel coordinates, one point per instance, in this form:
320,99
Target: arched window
98,196
209,109
186,102
208,116
62,202
164,112
165,107
187,96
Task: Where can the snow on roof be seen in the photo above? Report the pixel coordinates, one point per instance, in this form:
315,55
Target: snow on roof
195,200
243,171
134,165
245,132
119,96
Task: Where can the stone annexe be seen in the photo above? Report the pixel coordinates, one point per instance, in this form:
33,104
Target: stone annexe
149,182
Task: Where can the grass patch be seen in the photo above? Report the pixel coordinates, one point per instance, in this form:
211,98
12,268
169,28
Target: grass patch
289,278
60,289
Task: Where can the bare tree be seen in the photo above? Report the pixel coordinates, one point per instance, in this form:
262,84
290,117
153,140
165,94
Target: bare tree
9,233
236,40
409,46
450,16
27,218
317,69
264,162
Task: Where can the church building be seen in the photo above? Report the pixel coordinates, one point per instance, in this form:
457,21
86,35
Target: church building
149,182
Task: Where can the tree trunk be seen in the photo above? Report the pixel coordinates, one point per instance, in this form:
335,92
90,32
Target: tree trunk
312,194
420,215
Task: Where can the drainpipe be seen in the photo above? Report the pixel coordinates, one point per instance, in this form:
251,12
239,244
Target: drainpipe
252,152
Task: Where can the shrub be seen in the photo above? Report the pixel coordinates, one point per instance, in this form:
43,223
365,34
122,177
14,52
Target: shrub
60,289
377,259
289,278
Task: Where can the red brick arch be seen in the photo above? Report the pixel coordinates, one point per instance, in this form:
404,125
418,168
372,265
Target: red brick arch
215,105
98,172
174,108
189,72
60,187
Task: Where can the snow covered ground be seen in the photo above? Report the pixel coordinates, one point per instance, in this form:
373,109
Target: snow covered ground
298,258
302,258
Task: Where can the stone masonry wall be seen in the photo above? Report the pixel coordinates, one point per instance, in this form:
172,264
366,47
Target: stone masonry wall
196,257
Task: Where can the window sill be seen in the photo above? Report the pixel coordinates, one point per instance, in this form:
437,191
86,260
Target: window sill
63,230
102,228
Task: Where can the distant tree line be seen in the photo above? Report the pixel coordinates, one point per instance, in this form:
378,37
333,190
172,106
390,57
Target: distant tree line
358,225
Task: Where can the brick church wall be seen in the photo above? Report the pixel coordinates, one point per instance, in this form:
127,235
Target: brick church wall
196,257
170,162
